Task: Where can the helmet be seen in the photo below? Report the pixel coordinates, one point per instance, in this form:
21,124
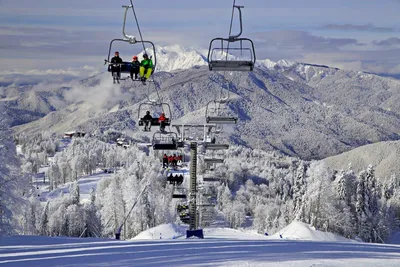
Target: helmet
145,56
134,58
116,52
147,112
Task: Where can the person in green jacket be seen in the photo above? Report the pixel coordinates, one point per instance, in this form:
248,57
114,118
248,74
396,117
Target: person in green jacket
146,67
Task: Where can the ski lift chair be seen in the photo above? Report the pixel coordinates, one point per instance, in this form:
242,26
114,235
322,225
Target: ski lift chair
125,67
234,53
211,179
219,115
165,141
185,217
175,179
182,207
151,106
213,146
213,160
228,58
179,193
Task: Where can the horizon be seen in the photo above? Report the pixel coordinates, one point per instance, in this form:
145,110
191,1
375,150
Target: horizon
48,36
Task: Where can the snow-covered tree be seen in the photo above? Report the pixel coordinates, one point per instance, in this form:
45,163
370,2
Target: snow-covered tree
13,185
74,193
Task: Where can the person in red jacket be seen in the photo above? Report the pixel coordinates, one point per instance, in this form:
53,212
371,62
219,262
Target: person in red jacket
170,158
162,119
175,161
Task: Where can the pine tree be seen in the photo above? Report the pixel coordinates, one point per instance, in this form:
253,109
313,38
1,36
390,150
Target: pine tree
44,228
74,193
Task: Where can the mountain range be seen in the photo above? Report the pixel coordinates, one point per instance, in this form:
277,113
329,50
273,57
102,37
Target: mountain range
304,110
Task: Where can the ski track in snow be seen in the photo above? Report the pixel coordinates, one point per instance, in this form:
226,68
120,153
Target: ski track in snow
211,251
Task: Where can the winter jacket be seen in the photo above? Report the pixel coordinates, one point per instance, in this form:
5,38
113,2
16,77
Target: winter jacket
135,65
116,60
146,63
147,117
162,118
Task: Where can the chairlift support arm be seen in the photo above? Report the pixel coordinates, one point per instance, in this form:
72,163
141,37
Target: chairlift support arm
123,25
241,23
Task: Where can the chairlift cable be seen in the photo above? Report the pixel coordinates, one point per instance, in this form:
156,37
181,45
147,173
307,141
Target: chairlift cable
144,51
227,49
137,23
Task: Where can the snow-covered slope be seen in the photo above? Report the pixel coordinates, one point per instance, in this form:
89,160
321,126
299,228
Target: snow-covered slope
301,231
300,109
383,156
223,250
163,231
274,112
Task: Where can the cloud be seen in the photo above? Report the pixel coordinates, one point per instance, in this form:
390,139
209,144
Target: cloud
361,28
291,44
343,53
394,41
381,62
104,95
48,76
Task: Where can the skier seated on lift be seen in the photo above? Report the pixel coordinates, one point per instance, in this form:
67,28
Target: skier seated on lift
146,68
179,179
115,64
162,119
135,66
147,121
171,179
179,158
174,161
165,161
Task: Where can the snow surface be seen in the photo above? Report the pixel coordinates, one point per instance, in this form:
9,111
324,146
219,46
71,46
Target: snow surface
301,231
220,247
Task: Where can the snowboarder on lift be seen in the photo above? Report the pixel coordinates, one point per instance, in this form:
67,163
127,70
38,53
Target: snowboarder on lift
146,68
115,65
147,121
135,66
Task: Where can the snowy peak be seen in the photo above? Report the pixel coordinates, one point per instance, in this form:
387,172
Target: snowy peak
177,57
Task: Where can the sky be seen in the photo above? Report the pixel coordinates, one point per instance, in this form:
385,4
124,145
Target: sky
63,37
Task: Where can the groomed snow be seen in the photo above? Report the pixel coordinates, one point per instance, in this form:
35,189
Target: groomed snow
220,247
163,231
301,231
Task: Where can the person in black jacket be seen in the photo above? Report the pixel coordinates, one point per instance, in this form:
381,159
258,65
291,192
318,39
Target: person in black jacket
115,63
135,65
147,121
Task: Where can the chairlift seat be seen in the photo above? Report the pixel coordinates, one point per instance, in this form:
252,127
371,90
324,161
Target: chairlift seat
155,122
231,65
211,179
221,120
171,146
212,146
206,205
178,196
125,67
213,160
